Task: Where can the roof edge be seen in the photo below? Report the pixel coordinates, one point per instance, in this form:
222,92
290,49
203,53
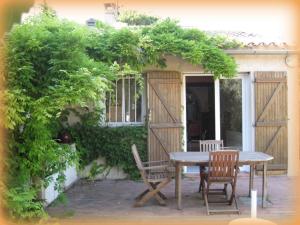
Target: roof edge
261,52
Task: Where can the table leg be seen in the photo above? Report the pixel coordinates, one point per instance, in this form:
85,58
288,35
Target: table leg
264,185
177,170
178,185
251,179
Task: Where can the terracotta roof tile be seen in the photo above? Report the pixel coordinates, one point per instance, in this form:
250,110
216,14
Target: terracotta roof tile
254,40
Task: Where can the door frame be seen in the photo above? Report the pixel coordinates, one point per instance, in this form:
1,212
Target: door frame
247,108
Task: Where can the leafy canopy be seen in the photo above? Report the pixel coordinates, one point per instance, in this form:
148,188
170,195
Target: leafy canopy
141,46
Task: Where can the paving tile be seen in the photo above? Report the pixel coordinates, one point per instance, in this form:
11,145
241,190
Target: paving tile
115,198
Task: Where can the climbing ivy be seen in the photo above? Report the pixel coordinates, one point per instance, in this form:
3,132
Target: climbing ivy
111,143
54,65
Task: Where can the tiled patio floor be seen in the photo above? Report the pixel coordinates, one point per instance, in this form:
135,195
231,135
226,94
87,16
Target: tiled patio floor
114,199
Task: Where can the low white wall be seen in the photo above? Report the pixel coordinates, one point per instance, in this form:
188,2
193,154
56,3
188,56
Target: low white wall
111,173
49,194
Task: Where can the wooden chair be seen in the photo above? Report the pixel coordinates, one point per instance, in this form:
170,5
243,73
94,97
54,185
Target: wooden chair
155,175
222,168
208,146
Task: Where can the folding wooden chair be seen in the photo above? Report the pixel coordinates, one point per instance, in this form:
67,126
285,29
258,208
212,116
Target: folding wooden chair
208,146
222,168
155,175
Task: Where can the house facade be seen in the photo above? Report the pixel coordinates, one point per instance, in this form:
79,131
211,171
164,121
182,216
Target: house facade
257,110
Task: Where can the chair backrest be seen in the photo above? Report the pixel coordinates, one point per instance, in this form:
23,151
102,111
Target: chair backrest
210,145
137,158
223,164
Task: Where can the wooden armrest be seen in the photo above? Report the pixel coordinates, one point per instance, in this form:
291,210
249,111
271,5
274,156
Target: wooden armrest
156,162
156,167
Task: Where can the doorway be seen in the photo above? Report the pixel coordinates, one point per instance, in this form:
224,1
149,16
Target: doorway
200,110
225,112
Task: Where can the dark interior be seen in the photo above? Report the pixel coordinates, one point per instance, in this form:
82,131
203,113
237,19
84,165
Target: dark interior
200,110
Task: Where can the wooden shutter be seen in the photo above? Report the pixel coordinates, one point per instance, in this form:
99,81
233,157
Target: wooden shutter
271,117
164,108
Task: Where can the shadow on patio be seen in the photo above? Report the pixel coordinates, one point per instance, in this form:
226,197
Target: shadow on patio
114,199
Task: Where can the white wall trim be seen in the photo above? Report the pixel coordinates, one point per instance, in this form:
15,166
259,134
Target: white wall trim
246,112
183,115
217,110
122,124
183,108
252,112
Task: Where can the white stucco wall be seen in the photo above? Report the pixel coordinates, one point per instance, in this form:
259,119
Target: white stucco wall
252,63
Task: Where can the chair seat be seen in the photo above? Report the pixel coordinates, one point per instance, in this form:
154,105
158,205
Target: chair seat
219,179
171,170
157,176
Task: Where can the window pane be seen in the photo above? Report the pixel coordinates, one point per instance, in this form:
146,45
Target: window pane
108,107
127,100
112,108
133,100
138,106
231,112
119,101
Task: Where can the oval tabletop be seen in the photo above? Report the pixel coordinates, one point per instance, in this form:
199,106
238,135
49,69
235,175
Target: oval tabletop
198,157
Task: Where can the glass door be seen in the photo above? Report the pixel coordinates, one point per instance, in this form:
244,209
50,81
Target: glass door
231,113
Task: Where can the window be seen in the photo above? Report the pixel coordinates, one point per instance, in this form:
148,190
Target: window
124,106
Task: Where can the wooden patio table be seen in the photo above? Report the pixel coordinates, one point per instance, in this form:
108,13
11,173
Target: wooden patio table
252,159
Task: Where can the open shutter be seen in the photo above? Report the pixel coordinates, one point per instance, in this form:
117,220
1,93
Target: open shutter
271,117
164,108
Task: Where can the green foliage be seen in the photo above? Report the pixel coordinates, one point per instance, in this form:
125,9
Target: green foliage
112,143
142,46
167,37
22,203
95,170
134,18
48,70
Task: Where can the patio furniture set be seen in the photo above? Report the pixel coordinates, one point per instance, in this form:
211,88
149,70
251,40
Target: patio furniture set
217,164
